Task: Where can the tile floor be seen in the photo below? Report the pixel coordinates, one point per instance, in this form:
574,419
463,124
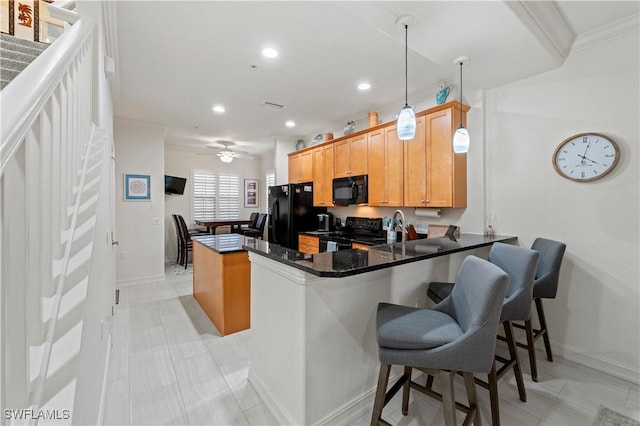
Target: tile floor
169,365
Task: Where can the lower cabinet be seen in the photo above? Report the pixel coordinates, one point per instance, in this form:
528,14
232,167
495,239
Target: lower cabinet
360,246
308,244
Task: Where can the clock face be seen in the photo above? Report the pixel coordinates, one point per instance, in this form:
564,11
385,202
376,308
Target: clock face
585,157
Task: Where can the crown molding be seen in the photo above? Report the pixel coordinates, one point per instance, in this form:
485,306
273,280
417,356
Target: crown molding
619,28
546,23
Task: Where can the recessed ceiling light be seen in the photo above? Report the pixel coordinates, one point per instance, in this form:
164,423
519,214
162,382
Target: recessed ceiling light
269,52
290,123
364,86
219,109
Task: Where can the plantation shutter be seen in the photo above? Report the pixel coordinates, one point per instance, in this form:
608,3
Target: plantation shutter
270,180
228,197
204,195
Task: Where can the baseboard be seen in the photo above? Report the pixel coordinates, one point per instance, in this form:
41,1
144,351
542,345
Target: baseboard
282,416
105,378
625,372
344,415
137,281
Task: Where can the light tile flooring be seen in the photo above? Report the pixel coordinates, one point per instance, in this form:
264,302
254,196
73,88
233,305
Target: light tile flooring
169,365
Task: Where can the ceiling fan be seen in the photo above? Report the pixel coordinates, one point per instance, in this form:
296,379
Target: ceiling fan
225,154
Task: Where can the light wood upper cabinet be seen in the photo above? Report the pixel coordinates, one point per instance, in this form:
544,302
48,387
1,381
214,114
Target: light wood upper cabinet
434,175
386,168
301,167
415,170
350,156
323,175
447,171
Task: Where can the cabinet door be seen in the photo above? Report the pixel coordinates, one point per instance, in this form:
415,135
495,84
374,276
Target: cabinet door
377,165
446,171
415,167
323,176
295,167
394,166
358,155
341,166
306,162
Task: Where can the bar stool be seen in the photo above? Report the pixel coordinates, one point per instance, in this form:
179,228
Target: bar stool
520,264
545,286
459,334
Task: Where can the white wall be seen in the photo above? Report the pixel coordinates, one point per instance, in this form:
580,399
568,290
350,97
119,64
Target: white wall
178,162
595,318
139,224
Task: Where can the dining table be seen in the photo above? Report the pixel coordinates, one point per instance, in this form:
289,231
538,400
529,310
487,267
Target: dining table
234,224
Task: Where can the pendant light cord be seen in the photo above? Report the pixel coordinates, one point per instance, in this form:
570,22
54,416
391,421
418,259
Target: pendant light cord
406,66
461,94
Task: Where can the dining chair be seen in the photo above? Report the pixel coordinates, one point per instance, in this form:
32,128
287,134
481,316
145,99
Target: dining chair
458,335
520,264
258,230
545,286
186,244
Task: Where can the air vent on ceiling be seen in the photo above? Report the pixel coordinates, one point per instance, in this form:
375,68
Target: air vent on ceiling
272,105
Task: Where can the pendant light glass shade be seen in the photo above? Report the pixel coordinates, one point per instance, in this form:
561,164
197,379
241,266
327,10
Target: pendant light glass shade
461,137
461,140
406,124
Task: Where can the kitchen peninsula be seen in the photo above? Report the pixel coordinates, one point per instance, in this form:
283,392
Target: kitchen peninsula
313,349
222,280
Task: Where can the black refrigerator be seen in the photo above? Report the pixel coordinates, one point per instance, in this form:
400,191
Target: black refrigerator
291,211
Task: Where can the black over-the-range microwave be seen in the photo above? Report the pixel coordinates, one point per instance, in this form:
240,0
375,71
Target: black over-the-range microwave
350,190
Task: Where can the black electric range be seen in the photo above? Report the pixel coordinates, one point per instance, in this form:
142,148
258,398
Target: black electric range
360,230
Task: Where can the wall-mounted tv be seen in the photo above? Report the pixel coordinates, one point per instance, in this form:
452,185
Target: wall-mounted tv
174,185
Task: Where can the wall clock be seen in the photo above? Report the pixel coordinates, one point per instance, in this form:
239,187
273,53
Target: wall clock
585,157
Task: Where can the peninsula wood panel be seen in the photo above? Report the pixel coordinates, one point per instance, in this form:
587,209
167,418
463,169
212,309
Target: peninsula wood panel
222,287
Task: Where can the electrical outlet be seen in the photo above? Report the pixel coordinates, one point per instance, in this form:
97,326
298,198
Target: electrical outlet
123,255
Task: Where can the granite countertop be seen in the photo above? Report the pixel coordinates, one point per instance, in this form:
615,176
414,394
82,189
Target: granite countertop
344,263
222,243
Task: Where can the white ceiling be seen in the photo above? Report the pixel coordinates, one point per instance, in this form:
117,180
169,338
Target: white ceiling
176,59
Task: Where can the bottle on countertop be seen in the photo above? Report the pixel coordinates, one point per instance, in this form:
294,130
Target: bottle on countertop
490,232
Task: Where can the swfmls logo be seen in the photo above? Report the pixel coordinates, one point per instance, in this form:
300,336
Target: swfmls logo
31,414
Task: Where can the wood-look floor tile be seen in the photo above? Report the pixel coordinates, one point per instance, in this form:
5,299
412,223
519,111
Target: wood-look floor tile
218,409
199,377
147,340
159,406
150,371
260,415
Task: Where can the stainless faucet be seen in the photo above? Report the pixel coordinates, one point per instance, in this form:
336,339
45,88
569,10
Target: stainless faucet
403,226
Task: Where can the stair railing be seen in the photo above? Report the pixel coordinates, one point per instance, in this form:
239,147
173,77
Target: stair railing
45,130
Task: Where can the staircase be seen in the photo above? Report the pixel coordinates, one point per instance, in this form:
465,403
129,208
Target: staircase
15,55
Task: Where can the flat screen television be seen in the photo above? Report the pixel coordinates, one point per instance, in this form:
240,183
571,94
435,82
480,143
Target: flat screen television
174,185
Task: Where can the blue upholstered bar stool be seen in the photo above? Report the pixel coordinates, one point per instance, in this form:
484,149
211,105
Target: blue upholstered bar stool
520,264
545,286
458,335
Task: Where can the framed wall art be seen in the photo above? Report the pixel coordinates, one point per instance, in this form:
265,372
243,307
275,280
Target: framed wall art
251,193
137,187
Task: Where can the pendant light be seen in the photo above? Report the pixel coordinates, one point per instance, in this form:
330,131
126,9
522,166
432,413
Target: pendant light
406,124
461,137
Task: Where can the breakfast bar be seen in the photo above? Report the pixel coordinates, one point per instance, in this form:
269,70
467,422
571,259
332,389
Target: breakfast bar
312,346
